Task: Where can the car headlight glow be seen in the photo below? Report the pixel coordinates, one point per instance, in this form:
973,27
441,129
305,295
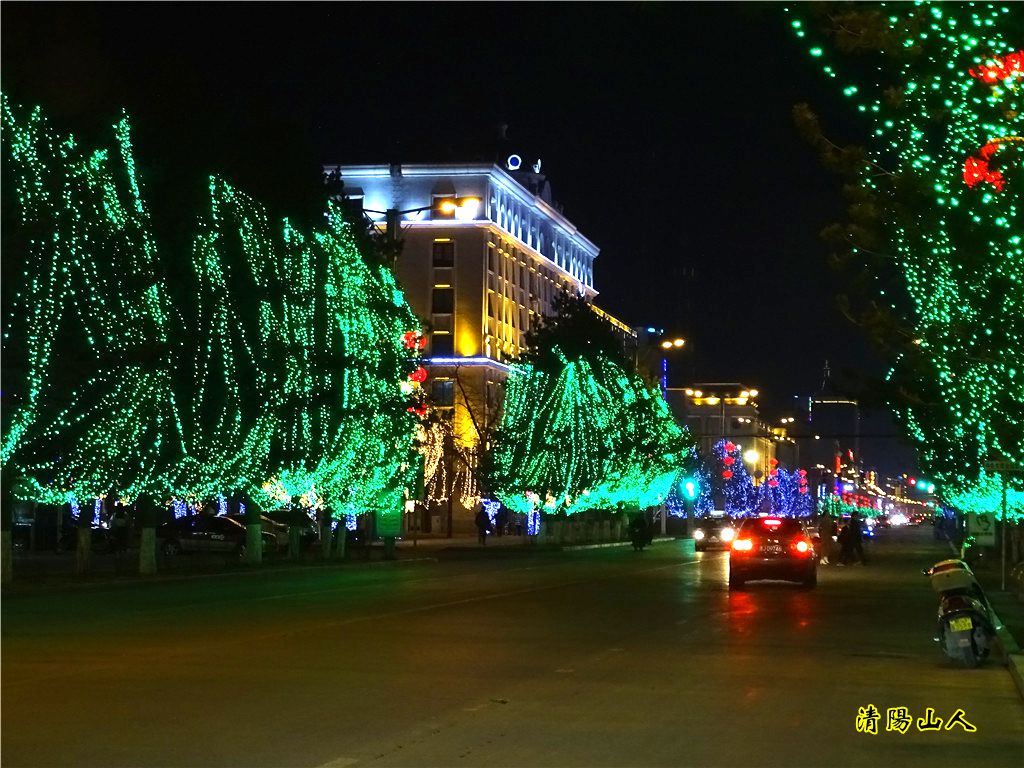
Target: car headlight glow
728,534
698,534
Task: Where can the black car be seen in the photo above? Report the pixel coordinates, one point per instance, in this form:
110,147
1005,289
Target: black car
772,548
207,533
713,532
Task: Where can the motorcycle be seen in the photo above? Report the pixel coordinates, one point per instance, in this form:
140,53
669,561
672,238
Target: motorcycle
965,626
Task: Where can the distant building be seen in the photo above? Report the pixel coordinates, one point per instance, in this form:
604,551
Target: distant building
716,411
485,251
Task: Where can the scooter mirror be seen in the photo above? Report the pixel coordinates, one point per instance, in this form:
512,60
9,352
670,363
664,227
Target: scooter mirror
926,571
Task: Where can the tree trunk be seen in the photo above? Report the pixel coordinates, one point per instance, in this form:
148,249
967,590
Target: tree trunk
326,535
294,534
341,540
253,534
6,524
147,540
83,553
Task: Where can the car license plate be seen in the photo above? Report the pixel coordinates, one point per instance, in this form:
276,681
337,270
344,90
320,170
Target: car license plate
961,625
773,549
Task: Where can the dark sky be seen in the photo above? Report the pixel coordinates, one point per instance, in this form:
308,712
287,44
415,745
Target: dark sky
665,130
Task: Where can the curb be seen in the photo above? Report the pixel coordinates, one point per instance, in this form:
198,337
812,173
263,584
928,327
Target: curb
17,588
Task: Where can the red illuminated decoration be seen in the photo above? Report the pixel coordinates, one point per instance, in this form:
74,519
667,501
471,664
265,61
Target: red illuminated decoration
419,375
803,473
1001,68
420,410
803,489
773,482
977,169
726,473
413,340
773,462
728,461
730,447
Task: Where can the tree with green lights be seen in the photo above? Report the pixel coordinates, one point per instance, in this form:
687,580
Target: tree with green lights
579,430
282,380
100,419
935,220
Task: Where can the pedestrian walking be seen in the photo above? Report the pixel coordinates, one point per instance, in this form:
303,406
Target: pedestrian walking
826,530
501,521
857,538
483,525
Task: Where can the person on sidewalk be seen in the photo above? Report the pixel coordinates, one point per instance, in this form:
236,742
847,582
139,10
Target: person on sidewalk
826,530
483,525
857,538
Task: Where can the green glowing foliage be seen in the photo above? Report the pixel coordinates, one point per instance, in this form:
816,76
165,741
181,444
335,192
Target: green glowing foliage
279,380
100,416
939,192
589,436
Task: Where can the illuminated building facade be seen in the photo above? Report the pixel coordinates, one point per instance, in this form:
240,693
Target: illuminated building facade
484,252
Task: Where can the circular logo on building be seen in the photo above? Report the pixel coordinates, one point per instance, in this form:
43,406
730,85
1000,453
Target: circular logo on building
513,162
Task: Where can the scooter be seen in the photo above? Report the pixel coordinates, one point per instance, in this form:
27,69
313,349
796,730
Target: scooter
965,626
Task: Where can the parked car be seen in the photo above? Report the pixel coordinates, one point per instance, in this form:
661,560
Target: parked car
206,533
772,548
279,531
713,532
309,535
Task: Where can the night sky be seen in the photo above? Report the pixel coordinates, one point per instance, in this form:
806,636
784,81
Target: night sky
665,131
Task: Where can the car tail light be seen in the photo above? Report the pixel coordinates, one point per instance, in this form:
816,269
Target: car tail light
743,545
772,522
728,534
802,546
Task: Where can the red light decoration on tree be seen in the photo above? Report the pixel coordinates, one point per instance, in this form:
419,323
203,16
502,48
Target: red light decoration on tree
803,473
1001,68
730,447
773,462
773,482
726,473
419,375
420,410
773,472
728,461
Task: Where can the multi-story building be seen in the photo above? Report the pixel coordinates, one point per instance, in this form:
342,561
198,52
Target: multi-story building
485,250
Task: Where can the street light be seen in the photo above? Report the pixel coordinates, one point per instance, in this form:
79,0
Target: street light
668,344
468,206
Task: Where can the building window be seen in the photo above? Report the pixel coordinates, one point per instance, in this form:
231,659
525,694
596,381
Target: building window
443,301
444,254
442,392
442,345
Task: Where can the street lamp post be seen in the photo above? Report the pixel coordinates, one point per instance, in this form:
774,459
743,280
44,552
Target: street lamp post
667,346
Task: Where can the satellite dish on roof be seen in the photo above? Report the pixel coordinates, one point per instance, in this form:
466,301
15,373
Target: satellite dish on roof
513,162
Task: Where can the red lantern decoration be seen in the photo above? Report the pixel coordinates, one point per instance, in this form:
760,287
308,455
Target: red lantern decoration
728,461
730,447
773,462
803,473
419,375
727,473
773,483
803,489
409,339
420,410
773,472
421,342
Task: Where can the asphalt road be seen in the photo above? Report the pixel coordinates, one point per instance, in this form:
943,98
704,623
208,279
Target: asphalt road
601,657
